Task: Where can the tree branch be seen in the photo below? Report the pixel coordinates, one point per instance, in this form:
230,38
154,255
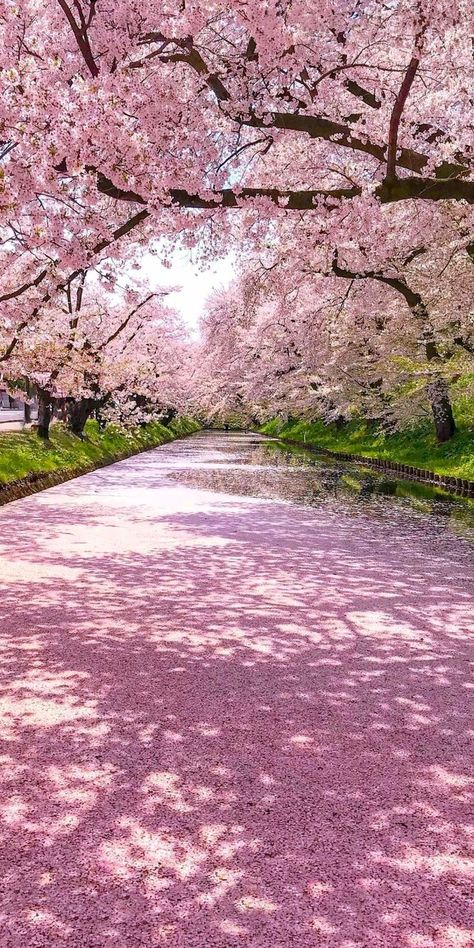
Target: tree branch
119,232
396,115
413,299
315,126
8,351
402,189
81,37
125,322
25,286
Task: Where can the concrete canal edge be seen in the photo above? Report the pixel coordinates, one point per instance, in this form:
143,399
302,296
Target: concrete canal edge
453,485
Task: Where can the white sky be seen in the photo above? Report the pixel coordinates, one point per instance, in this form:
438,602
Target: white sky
196,284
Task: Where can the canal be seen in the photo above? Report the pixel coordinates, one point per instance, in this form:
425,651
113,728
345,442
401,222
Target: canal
253,465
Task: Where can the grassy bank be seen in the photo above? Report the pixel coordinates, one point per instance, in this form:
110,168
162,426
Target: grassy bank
22,453
416,446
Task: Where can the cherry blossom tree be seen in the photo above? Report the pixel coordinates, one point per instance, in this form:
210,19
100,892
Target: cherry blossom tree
93,345
204,107
322,338
337,133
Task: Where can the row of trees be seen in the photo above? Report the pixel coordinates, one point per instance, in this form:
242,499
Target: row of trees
332,330
332,143
120,352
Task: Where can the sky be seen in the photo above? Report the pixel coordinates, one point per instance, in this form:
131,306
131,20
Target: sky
196,285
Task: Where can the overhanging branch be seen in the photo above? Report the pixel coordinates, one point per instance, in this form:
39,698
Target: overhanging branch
387,192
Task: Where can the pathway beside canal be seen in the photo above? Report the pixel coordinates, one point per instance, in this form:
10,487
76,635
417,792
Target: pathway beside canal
228,719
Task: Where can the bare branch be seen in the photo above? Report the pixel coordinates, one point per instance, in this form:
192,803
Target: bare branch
81,37
396,115
125,322
25,286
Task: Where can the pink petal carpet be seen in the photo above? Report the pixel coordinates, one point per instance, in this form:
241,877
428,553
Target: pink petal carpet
230,721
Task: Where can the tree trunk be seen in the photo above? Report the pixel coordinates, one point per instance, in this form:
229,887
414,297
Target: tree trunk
438,393
79,412
442,411
100,419
44,413
168,416
29,389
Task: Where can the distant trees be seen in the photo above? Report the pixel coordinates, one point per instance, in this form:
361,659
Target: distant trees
89,348
331,336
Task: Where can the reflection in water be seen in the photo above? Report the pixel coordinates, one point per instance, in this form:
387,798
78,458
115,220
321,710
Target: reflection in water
251,465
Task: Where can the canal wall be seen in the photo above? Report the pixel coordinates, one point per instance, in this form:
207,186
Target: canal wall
453,485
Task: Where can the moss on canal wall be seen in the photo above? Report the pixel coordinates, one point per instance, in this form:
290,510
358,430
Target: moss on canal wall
416,446
25,459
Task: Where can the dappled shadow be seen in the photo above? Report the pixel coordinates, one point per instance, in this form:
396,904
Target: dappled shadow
228,721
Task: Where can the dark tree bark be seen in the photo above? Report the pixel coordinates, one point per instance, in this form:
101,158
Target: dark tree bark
437,391
438,394
441,409
45,407
30,390
79,412
167,418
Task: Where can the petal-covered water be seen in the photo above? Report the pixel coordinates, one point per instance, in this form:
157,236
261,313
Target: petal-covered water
256,466
236,704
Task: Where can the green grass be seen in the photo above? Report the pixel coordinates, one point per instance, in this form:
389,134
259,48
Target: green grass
416,446
23,453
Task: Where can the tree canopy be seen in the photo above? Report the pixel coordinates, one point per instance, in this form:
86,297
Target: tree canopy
330,141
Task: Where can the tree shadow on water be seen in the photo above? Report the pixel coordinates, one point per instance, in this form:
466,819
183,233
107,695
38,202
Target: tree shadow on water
230,724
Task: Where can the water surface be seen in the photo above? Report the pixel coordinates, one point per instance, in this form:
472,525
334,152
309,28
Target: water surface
253,465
